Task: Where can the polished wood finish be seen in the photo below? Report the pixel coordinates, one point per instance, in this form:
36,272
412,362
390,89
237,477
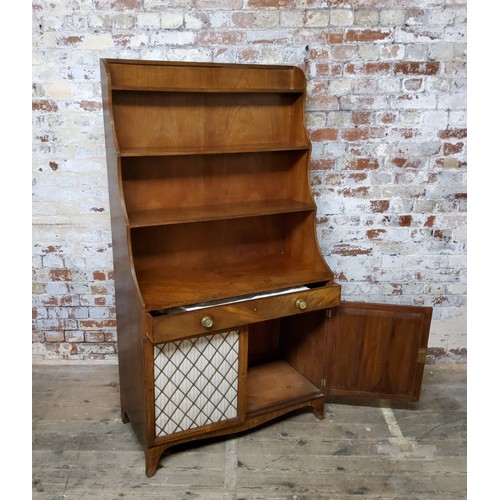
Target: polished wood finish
388,344
208,167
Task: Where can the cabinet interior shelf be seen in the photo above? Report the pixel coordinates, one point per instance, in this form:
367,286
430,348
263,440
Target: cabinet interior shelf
274,385
182,215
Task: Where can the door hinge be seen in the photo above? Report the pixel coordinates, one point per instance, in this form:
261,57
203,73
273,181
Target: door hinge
328,313
422,354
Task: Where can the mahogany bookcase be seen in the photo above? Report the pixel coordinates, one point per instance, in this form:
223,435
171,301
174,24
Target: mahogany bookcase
227,314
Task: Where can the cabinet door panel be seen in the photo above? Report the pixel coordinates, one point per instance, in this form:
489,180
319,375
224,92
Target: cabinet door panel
378,350
197,383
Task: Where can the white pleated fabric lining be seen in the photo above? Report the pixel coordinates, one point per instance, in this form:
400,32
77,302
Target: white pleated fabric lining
196,382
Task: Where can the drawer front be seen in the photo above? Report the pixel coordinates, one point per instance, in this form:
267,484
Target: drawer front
210,319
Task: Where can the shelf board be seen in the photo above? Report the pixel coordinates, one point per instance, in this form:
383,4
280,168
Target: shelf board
275,385
182,215
202,90
162,287
221,149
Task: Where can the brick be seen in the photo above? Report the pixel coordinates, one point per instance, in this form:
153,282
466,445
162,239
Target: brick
46,106
388,117
60,275
323,103
367,35
407,162
358,176
405,220
362,164
357,192
118,5
362,133
351,250
416,68
54,336
327,164
375,234
100,324
341,17
99,275
243,19
413,84
317,19
268,36
379,206
74,336
452,148
453,133
270,4
375,68
418,34
362,118
366,17
94,337
173,38
324,134
331,38
175,20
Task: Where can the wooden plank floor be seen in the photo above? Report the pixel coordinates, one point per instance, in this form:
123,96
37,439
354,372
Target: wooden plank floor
82,450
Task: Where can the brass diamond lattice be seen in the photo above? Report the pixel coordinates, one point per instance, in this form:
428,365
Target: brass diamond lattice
196,382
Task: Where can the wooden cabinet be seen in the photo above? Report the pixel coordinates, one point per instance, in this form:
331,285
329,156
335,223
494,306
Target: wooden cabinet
226,310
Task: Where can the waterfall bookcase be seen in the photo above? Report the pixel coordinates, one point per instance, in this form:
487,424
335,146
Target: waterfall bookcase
227,314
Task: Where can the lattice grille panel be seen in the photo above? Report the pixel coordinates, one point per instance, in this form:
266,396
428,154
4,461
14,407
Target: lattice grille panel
196,382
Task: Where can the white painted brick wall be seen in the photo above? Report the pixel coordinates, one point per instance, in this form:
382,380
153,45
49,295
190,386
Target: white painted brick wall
389,146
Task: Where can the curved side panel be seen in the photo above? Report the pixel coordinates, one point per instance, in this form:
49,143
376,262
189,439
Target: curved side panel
312,241
130,315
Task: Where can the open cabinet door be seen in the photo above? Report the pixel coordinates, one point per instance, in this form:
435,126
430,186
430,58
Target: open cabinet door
378,351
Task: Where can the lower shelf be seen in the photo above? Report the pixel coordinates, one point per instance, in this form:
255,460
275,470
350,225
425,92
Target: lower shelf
188,285
275,385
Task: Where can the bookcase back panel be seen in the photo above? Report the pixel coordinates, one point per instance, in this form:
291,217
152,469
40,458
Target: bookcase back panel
212,242
152,183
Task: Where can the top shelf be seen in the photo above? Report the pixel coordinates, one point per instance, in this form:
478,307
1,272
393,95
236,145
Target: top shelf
202,90
203,77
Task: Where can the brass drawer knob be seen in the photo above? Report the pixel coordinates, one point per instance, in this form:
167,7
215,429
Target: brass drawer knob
301,304
207,322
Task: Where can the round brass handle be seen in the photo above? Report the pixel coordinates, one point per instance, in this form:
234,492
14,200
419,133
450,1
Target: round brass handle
207,322
301,304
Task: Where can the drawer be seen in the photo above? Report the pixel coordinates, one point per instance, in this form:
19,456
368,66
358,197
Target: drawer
178,325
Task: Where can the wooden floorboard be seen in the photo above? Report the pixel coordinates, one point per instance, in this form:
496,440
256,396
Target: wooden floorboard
82,450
